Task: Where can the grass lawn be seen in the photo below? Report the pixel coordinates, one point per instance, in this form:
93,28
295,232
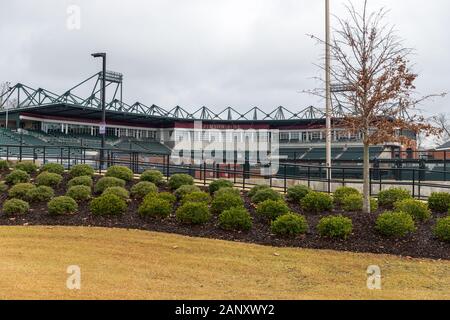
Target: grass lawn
121,264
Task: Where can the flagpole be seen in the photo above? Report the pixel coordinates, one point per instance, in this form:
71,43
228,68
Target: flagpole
328,87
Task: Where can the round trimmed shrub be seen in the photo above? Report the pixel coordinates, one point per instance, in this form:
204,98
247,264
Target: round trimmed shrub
15,207
153,176
81,181
118,191
257,188
3,187
235,219
442,229
196,197
17,176
395,224
81,170
53,168
193,213
297,193
335,227
355,203
180,179
80,193
289,225
20,190
62,206
387,198
232,191
182,191
108,205
27,166
316,202
266,194
49,179
155,208
120,172
439,202
168,197
4,165
272,209
415,208
343,192
224,202
40,194
219,184
142,189
108,182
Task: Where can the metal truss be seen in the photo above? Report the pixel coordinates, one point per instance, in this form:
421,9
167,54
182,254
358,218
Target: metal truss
23,97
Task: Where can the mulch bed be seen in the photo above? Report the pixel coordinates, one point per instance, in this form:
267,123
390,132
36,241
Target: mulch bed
365,239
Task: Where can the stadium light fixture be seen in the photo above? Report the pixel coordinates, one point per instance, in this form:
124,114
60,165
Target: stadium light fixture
102,130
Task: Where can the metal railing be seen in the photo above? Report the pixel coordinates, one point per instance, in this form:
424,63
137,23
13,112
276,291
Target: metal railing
421,182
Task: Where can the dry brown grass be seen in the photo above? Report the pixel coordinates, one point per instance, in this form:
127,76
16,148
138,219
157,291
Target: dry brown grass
121,264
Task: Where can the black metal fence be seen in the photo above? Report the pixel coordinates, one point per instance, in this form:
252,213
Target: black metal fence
420,181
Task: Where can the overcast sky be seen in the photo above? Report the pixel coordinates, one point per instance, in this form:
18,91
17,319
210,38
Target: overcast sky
193,53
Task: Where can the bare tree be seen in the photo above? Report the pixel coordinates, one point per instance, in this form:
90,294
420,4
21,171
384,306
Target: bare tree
370,61
442,121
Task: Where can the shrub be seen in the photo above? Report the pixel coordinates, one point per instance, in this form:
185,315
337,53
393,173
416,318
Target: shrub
387,198
15,207
272,209
255,189
155,208
81,181
439,202
40,194
197,197
153,176
20,190
316,202
81,170
266,194
355,203
182,191
49,179
224,202
290,225
17,176
141,189
219,184
4,165
79,193
193,213
108,205
178,180
395,224
120,172
297,193
3,187
108,182
168,197
335,227
27,166
62,206
343,192
53,168
118,191
442,229
235,219
416,209
231,191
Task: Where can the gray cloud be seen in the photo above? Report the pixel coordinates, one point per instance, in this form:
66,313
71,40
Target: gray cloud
203,52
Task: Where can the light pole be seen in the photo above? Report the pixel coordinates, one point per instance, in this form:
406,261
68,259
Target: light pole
102,130
328,87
